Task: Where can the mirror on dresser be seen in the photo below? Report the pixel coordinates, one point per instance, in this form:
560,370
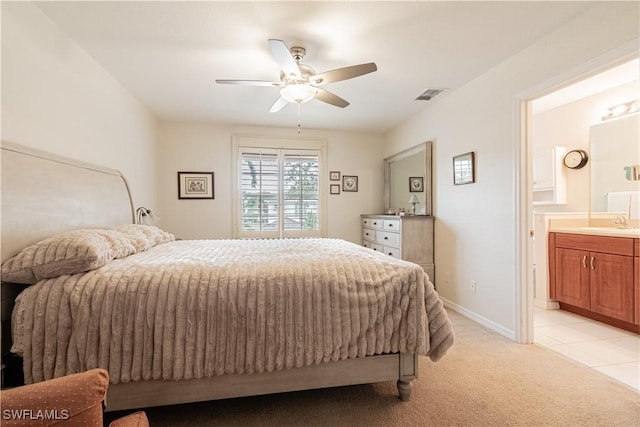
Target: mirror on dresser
615,166
407,174
408,237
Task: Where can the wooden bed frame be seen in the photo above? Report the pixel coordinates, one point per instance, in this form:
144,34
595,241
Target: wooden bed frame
45,194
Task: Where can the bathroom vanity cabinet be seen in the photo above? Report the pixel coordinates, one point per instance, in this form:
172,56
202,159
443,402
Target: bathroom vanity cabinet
596,277
636,278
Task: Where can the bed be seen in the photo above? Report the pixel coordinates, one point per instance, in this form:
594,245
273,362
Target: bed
182,321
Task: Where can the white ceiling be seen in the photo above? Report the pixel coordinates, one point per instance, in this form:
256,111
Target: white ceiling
168,54
616,76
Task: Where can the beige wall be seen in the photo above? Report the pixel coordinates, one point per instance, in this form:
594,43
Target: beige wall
476,225
207,147
56,98
568,125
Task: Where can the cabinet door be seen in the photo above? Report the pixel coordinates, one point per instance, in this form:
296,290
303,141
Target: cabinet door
572,277
611,278
543,168
636,298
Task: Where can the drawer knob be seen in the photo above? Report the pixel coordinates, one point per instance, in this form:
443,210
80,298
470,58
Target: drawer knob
386,238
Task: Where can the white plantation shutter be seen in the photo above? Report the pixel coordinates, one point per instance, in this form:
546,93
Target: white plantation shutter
279,192
300,191
260,192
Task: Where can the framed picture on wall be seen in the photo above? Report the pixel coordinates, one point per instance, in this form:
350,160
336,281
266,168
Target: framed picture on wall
195,185
463,169
416,184
349,183
334,189
334,176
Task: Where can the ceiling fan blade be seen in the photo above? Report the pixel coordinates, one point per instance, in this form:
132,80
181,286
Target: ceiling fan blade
278,105
345,73
283,57
249,83
330,98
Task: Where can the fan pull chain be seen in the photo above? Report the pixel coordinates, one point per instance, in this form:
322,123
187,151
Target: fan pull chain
299,113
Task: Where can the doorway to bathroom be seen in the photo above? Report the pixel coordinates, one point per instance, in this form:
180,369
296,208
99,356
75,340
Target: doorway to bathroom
556,123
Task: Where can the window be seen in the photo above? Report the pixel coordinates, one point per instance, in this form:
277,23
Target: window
279,190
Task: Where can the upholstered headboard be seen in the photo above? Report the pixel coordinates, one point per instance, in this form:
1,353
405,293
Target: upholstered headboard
44,194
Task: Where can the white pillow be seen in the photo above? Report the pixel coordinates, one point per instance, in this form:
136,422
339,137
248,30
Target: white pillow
70,252
143,237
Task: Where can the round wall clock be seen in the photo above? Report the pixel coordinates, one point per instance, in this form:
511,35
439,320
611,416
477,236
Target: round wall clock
576,159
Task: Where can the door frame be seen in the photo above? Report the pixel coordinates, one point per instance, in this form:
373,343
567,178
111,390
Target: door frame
523,160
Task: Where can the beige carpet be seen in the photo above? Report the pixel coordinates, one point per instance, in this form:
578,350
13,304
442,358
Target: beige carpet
484,380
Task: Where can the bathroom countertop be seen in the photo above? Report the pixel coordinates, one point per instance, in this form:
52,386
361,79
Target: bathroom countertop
599,231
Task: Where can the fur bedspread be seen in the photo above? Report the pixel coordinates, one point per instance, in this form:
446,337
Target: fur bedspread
193,309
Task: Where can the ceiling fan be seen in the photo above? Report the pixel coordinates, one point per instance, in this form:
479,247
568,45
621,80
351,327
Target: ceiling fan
299,83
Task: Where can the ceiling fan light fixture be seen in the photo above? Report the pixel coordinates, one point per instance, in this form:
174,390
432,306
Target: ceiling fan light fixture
298,93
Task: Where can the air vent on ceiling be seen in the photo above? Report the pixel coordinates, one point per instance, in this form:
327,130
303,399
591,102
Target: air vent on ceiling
429,94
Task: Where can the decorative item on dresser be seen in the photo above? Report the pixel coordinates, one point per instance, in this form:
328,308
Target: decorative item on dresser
406,237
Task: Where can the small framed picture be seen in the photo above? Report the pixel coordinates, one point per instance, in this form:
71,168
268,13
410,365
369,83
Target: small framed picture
416,184
334,176
334,189
463,169
195,185
349,183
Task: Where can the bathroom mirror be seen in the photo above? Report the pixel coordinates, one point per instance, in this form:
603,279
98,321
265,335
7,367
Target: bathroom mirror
408,174
615,166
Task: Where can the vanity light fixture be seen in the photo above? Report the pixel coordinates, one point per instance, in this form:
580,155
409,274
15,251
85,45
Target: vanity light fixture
145,216
621,110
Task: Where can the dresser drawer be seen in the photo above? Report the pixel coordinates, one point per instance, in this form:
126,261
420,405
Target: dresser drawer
402,237
371,245
388,238
369,234
391,224
372,222
394,252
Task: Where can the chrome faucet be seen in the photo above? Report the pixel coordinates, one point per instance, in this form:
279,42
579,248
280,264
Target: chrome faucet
621,222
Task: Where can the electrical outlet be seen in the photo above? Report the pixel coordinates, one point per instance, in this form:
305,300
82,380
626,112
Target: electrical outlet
473,286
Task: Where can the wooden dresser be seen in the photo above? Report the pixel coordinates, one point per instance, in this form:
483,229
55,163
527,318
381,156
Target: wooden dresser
405,237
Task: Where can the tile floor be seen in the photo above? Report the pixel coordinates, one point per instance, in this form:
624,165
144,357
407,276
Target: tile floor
612,351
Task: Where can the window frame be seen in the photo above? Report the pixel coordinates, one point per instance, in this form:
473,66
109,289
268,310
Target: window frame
243,143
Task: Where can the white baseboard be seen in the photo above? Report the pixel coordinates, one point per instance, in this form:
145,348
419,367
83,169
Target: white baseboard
479,319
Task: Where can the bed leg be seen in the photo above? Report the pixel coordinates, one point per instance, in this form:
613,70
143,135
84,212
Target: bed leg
404,388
